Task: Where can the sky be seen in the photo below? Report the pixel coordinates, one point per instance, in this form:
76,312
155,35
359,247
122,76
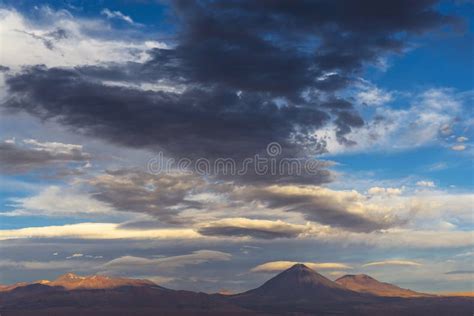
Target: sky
208,145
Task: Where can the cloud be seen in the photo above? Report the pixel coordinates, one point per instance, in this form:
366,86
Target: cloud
438,166
96,231
150,202
290,67
392,263
399,238
336,237
372,95
121,265
465,254
460,272
23,265
284,96
347,209
244,227
458,147
385,191
283,265
145,265
75,255
431,208
428,184
55,201
30,154
421,239
378,210
163,196
117,15
427,119
60,39
462,139
166,120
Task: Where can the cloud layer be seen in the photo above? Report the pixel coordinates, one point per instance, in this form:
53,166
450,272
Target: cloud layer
283,265
245,79
28,155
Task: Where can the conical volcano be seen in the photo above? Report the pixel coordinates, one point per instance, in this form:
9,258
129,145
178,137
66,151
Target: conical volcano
300,287
299,280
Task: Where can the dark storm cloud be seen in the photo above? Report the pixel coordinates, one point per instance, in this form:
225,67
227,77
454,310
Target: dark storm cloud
246,69
284,46
16,158
198,122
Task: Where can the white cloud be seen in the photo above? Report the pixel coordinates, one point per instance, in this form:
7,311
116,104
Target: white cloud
75,255
371,95
45,265
386,191
428,184
465,254
57,201
147,86
392,263
117,15
283,265
96,231
430,115
462,139
147,264
438,166
396,238
54,147
458,147
121,264
64,40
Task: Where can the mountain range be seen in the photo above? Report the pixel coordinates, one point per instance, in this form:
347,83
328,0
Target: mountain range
298,290
363,283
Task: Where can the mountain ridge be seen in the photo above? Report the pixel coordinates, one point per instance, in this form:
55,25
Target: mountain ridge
72,281
364,283
298,290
